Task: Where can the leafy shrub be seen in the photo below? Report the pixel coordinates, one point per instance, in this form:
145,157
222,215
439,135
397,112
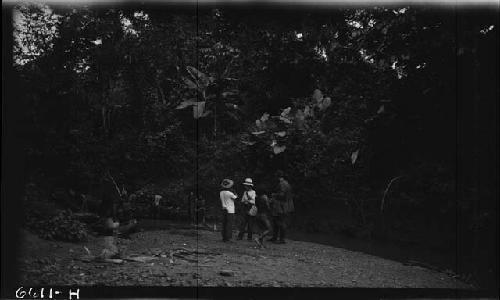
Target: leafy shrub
49,223
172,204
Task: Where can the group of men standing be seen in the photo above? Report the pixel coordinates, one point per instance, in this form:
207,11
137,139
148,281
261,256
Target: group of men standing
272,214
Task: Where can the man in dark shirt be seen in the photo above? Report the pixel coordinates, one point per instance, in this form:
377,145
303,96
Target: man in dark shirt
263,214
282,208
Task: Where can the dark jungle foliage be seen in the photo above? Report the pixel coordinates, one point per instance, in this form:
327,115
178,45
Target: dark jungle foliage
344,101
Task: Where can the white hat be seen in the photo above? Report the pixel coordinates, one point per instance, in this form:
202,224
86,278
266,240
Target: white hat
248,181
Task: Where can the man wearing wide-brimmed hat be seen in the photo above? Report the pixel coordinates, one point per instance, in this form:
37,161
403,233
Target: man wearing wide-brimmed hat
227,198
249,209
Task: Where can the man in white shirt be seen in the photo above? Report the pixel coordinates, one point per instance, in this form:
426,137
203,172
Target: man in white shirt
227,198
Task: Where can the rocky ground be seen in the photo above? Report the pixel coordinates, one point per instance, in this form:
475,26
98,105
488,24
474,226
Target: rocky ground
188,257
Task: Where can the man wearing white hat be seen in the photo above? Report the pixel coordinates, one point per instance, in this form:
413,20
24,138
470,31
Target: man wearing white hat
250,210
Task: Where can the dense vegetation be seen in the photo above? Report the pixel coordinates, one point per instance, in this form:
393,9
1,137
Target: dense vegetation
384,119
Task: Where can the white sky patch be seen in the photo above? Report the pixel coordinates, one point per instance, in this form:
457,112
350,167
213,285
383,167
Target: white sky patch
299,35
141,15
354,24
401,73
321,51
127,26
125,21
367,58
97,42
421,66
81,67
486,30
400,11
43,26
329,3
399,70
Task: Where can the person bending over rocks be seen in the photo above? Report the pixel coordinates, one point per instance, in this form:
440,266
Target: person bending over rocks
263,218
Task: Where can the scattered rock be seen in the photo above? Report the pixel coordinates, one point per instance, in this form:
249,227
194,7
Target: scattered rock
142,259
113,260
241,265
87,258
226,273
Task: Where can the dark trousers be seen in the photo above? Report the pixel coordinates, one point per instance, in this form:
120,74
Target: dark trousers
200,216
279,227
227,226
265,224
155,214
246,226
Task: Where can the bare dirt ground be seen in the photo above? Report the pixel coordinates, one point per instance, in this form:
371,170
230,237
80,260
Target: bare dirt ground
180,257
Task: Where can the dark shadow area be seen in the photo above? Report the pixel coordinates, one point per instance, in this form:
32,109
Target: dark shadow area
384,121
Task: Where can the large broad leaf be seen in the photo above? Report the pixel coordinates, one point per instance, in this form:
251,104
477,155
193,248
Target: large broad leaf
323,104
258,132
300,118
264,117
308,112
186,103
286,111
189,83
280,133
230,93
206,113
278,149
199,76
317,95
381,109
258,123
248,143
286,120
354,156
198,109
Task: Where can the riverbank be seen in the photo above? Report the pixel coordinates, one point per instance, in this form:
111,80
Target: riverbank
189,257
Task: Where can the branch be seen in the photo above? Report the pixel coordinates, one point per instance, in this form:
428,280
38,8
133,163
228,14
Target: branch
387,190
